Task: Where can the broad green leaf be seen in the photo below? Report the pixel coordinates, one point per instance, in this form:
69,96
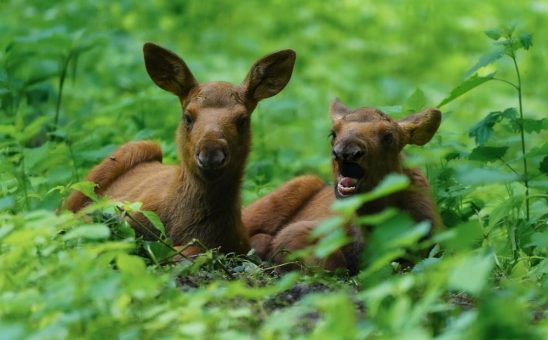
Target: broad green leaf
487,153
483,129
87,188
88,231
471,273
540,150
416,102
130,264
155,221
539,240
7,202
389,185
327,225
485,60
494,34
526,40
543,166
466,235
465,87
469,175
534,125
330,243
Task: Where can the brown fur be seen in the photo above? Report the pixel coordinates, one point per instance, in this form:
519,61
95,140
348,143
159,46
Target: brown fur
200,198
282,220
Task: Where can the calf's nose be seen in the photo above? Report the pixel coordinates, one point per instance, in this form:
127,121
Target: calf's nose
211,158
348,152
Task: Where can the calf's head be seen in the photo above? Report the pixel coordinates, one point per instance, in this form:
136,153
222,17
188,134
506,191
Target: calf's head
367,144
214,133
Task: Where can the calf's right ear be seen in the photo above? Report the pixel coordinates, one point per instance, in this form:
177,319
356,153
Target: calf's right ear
420,127
168,71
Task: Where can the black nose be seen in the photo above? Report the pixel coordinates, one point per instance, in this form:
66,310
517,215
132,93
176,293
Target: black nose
211,158
348,152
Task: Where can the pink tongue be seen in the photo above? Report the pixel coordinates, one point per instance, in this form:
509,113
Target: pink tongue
348,182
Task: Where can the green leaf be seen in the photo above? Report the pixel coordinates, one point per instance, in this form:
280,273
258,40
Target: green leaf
469,175
389,185
471,273
464,236
539,240
330,243
88,231
7,202
534,125
543,166
485,60
416,102
132,265
155,221
87,188
540,150
465,87
494,34
488,153
484,128
526,40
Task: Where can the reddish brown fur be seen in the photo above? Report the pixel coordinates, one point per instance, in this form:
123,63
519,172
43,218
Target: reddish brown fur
283,219
200,198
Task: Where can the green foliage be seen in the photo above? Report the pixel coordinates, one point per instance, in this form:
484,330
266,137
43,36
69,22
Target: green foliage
73,87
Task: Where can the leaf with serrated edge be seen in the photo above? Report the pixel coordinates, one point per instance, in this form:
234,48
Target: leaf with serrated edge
465,87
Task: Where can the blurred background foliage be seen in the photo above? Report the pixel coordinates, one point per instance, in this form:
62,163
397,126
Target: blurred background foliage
365,52
73,87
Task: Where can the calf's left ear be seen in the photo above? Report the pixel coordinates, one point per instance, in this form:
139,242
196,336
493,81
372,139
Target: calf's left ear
420,127
269,75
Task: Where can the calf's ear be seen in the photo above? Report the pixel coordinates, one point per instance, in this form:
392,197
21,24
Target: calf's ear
168,71
337,110
269,75
420,127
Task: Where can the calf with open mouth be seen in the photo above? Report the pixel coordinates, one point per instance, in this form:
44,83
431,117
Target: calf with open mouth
366,146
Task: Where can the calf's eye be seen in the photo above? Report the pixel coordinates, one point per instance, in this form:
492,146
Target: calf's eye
187,120
242,122
387,138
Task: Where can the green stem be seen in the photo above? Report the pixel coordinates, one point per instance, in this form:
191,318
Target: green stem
62,77
24,179
522,133
507,82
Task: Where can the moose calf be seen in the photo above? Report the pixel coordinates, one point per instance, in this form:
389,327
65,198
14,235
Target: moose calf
366,145
200,198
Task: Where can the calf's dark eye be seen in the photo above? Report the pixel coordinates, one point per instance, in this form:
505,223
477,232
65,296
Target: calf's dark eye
187,120
387,138
242,122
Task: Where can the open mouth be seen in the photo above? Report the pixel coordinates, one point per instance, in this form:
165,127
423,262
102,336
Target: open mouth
350,176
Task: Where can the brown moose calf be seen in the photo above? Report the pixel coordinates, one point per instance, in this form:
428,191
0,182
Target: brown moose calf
200,198
366,146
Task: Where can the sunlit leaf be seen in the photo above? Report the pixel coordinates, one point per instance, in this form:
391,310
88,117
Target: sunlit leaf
464,87
88,231
485,60
155,221
471,273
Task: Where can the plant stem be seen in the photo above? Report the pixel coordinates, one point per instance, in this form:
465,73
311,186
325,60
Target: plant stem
522,133
62,77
